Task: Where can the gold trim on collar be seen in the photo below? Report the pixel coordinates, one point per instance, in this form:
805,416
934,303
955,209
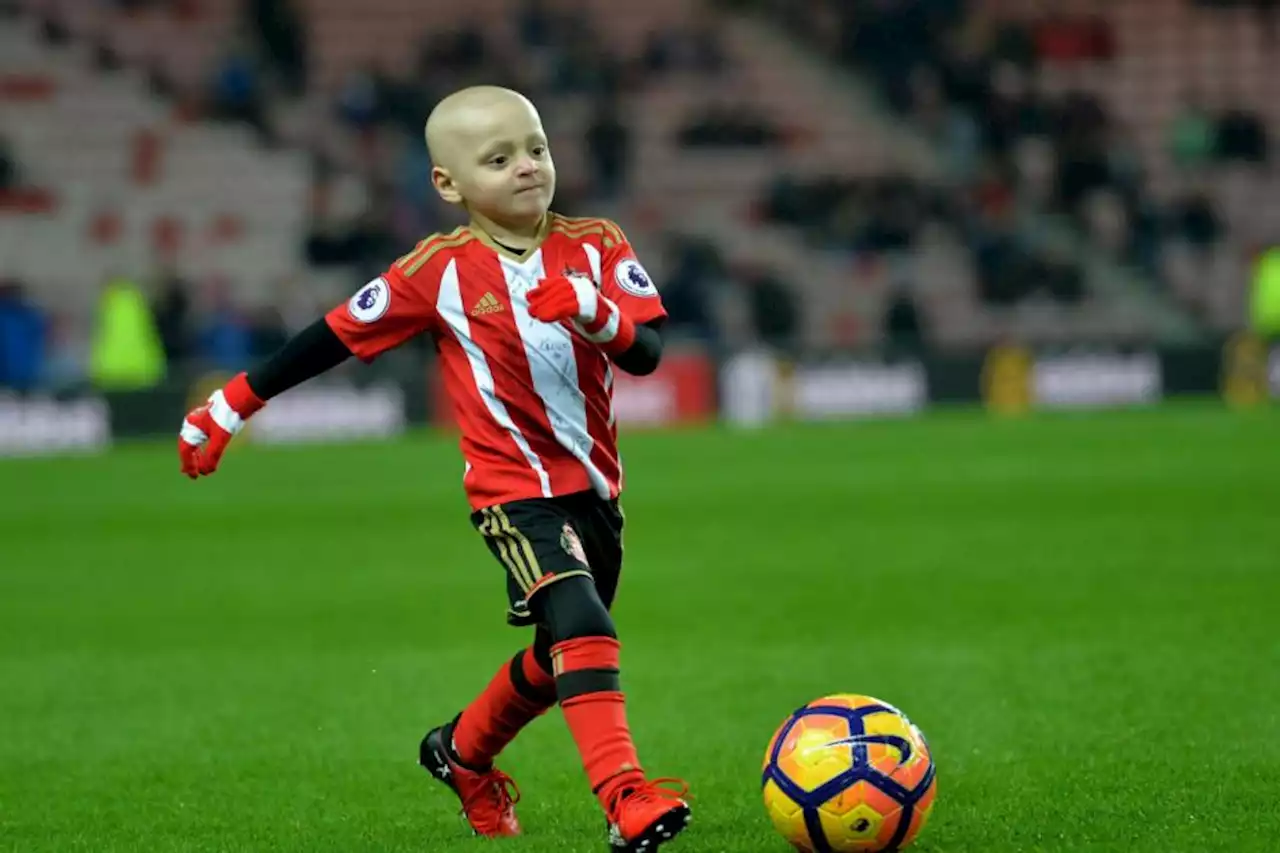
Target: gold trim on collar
544,229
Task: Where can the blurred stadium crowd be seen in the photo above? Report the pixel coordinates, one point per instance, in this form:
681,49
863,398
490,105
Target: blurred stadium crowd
185,182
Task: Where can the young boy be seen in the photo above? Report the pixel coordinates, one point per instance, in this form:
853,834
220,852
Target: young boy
528,311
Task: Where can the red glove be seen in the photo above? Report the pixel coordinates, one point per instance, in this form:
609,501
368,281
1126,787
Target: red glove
577,299
212,426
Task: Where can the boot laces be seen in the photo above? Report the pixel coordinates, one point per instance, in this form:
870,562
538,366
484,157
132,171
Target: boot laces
496,789
651,790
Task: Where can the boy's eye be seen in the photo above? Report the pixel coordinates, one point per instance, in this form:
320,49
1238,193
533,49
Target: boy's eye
539,150
498,160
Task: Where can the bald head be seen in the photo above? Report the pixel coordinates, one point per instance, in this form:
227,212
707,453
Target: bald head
465,119
489,154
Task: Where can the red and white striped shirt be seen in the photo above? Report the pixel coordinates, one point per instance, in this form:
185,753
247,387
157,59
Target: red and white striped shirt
534,400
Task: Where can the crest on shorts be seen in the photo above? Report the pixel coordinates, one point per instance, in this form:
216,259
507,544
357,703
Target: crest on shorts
570,542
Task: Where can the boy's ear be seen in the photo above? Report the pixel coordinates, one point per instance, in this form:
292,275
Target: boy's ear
445,186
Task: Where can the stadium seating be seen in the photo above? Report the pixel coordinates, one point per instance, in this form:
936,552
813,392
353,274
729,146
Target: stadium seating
1166,50
240,211
132,182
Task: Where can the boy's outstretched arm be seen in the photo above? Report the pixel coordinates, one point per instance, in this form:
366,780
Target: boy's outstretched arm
207,430
382,314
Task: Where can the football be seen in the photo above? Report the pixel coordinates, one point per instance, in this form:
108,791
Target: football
848,773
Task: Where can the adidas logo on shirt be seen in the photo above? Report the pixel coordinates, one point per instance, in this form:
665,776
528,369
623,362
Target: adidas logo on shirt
487,304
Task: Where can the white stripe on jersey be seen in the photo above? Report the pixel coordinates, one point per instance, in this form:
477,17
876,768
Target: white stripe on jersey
608,389
449,305
549,349
593,258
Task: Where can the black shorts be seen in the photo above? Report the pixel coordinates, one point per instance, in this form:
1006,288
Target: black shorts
543,540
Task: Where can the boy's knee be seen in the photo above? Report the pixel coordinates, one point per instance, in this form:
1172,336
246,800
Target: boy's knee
571,609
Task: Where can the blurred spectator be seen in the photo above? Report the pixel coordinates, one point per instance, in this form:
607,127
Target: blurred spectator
1195,221
1148,232
1269,19
236,89
281,35
1012,110
964,67
535,24
991,192
872,215
1082,169
1082,121
694,270
103,55
889,38
66,357
1264,303
53,26
583,68
1124,162
1003,265
1191,135
126,354
1034,170
267,332
609,150
22,339
460,50
720,125
695,48
8,167
171,306
952,129
774,313
894,216
410,175
1062,277
903,329
1106,219
1016,43
789,201
360,98
225,337
347,230
1241,136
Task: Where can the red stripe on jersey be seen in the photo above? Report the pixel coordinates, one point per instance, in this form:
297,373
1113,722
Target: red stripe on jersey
498,470
592,366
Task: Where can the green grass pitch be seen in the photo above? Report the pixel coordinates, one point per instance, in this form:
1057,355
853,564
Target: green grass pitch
1080,611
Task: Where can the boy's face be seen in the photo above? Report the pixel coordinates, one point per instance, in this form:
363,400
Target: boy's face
498,162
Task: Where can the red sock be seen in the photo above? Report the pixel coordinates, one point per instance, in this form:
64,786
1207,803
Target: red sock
595,708
519,693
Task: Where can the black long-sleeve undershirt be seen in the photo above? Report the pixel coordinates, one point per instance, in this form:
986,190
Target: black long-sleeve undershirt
317,349
645,352
314,350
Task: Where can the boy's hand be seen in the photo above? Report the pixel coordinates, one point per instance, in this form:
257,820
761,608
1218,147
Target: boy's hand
207,430
576,298
566,298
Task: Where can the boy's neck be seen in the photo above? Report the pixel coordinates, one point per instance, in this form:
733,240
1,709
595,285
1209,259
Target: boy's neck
511,235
